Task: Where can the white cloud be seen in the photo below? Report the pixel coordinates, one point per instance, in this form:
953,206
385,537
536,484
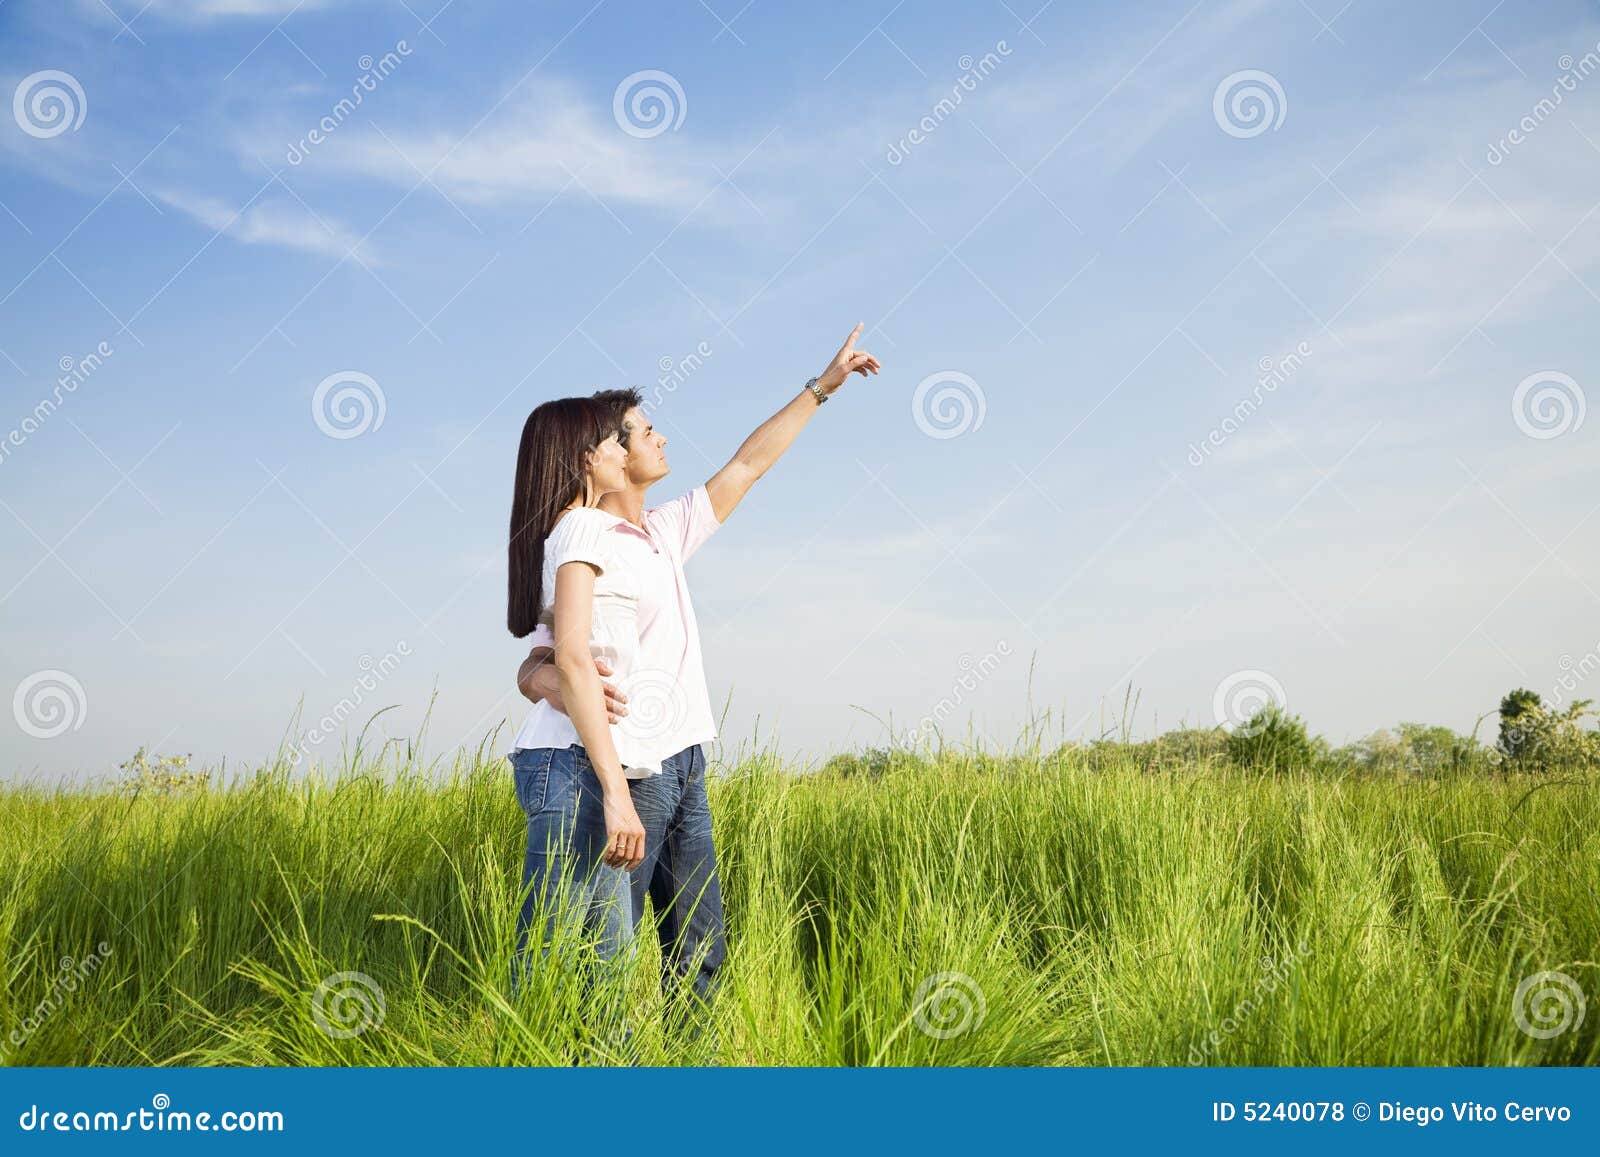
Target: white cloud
546,139
267,223
219,9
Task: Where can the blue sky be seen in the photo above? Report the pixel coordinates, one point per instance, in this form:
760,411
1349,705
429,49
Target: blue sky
1094,257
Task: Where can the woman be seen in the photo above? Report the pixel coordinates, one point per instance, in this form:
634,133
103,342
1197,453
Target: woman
567,573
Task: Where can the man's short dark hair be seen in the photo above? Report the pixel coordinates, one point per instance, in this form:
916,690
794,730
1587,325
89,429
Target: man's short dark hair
620,401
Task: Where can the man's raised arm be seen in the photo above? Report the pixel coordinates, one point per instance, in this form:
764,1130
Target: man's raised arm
766,445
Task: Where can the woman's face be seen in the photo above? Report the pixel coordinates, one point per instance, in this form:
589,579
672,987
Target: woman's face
608,469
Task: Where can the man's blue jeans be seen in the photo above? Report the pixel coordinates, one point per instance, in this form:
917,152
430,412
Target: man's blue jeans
679,873
561,797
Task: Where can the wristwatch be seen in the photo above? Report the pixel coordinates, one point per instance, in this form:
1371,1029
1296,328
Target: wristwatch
822,395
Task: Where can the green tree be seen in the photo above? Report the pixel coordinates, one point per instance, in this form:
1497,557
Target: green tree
1428,750
1275,741
1515,711
1536,738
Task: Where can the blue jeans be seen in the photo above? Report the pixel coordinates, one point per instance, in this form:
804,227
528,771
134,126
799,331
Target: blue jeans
561,796
679,873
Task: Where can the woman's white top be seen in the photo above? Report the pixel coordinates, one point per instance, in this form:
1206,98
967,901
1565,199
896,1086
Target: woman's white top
586,535
669,707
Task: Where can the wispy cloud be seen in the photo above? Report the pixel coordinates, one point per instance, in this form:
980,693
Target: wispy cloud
268,222
548,139
1421,249
214,9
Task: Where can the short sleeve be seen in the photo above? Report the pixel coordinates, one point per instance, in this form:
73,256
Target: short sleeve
578,537
688,521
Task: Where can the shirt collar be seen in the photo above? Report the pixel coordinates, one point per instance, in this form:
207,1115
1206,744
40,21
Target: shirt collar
618,521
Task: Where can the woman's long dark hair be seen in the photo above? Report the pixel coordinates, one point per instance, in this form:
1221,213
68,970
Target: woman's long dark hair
551,473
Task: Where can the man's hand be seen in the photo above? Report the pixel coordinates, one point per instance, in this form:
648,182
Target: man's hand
847,361
728,486
538,679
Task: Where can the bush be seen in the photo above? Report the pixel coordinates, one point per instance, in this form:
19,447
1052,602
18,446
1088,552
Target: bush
1517,709
1429,750
160,774
1419,749
1274,741
1535,738
869,764
1185,747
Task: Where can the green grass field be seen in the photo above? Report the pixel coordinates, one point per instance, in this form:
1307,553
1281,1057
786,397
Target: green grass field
959,910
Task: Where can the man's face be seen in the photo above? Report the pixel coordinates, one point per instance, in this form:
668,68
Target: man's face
647,459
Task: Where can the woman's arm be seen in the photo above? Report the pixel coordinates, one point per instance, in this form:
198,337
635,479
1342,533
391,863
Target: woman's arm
580,688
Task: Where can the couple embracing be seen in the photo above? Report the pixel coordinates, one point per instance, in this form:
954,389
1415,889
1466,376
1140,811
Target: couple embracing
616,799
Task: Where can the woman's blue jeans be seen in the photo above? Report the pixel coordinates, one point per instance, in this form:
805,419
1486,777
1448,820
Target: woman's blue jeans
562,871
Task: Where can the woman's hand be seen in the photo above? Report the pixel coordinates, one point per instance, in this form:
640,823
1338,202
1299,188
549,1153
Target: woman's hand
624,832
847,361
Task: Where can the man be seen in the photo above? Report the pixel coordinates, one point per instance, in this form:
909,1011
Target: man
670,707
